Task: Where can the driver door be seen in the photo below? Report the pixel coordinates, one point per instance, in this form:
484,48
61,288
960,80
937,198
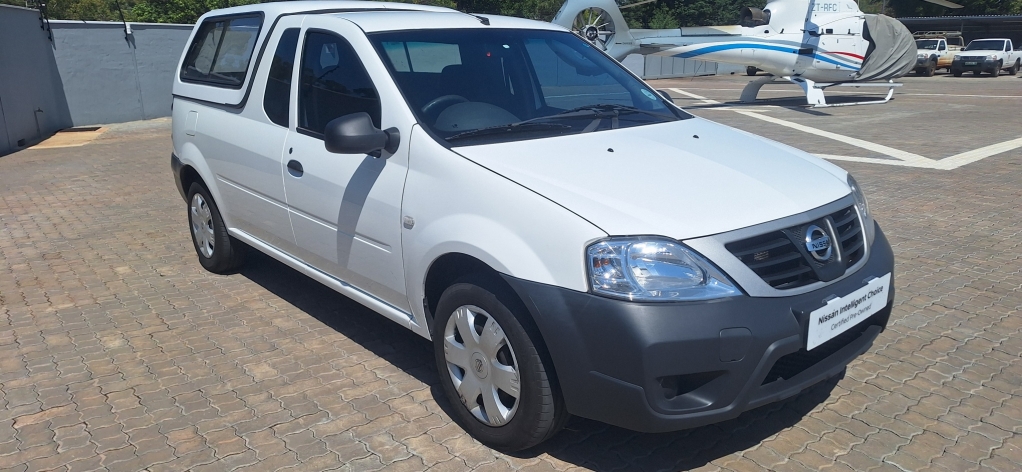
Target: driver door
346,209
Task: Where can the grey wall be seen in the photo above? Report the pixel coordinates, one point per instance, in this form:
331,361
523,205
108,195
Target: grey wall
88,74
32,101
109,78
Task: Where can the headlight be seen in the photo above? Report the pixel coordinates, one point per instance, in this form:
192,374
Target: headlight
921,55
863,206
647,269
991,57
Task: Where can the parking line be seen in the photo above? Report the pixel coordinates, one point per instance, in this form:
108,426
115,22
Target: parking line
886,150
706,101
900,158
969,157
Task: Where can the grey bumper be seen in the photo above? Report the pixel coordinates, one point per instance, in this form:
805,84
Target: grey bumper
656,367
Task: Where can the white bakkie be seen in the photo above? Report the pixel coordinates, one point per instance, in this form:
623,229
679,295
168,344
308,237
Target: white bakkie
570,241
987,55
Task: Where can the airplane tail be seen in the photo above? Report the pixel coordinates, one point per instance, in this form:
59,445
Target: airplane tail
600,22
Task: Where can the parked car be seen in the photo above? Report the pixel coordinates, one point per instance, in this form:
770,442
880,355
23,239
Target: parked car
570,241
987,55
936,50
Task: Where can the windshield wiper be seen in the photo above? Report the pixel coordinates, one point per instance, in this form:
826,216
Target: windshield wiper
602,110
523,126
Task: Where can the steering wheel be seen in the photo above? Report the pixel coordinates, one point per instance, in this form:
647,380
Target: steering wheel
439,104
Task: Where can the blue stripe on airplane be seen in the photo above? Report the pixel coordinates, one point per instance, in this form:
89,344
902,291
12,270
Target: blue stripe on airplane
787,49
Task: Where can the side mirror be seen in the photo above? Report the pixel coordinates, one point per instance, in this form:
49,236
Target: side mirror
666,95
356,134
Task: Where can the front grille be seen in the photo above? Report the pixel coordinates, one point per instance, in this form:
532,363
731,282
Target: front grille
775,259
973,58
849,233
797,362
779,261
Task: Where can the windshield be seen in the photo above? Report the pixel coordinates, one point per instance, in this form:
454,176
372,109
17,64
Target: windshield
479,86
930,44
985,45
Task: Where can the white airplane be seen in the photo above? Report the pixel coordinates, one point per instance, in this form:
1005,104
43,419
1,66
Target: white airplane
814,44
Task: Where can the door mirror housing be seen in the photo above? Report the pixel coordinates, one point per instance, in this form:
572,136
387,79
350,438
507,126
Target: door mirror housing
356,134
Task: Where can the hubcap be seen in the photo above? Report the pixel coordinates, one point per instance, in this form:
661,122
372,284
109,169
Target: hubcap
482,365
202,225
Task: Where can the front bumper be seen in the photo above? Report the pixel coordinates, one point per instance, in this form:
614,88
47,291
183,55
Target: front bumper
924,61
970,66
656,367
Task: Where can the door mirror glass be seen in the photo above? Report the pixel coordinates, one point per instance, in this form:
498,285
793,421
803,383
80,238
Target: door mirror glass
356,134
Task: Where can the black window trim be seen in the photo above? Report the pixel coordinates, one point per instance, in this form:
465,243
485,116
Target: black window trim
300,61
248,66
297,50
262,49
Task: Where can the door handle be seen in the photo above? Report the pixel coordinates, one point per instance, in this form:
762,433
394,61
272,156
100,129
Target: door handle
295,168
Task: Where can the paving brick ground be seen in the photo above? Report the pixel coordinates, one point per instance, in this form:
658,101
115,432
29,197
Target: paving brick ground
118,352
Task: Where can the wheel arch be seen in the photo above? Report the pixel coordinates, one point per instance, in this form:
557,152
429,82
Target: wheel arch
194,169
453,267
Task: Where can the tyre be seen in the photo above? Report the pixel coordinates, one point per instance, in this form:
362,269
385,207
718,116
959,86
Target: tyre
751,71
500,386
218,252
997,70
930,69
1014,68
957,73
977,73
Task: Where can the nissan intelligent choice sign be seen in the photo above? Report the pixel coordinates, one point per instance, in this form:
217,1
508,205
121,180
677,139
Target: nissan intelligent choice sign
840,314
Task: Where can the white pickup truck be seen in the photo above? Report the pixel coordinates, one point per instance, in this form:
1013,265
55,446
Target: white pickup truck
987,55
936,52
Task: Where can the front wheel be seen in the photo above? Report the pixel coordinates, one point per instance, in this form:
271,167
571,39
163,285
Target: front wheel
997,70
502,392
218,252
930,69
957,73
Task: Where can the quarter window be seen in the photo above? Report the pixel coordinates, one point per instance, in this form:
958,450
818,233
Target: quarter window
333,83
277,100
221,50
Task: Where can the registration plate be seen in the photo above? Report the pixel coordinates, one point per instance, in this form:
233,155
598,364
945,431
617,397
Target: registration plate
970,63
841,314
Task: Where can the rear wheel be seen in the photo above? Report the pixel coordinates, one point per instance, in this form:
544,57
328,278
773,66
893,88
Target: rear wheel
957,73
502,391
749,70
1014,68
218,252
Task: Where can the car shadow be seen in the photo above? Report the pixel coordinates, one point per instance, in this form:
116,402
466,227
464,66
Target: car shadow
583,442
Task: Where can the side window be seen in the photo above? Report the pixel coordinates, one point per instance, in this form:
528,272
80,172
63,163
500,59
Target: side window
333,83
221,51
942,46
277,99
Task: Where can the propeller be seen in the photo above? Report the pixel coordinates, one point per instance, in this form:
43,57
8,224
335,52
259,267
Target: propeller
595,25
945,3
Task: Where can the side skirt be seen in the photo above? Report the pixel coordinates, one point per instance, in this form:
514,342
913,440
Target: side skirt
389,311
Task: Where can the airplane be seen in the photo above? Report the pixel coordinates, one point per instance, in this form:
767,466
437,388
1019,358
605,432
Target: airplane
814,44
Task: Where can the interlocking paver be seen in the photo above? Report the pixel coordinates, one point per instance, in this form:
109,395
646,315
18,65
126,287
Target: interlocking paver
117,350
